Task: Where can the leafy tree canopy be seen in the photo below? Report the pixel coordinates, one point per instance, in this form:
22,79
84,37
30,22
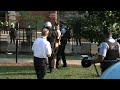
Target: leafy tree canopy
91,24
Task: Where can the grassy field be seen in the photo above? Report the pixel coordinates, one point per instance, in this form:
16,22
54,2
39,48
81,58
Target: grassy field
28,72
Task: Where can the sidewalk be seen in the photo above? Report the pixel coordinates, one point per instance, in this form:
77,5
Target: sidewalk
29,62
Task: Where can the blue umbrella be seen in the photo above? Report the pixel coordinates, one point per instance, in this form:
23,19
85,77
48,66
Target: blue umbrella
112,72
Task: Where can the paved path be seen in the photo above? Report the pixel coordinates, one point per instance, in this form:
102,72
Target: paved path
12,61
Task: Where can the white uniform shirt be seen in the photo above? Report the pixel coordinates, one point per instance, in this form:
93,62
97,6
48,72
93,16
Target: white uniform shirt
41,48
63,30
104,47
59,34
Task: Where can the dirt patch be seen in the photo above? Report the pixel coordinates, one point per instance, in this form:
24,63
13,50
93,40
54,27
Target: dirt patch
69,62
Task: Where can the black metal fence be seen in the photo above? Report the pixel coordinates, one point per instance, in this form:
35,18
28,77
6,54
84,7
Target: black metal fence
25,35
25,39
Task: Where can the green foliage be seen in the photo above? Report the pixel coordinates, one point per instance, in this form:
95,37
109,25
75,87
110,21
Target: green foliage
39,20
25,15
33,21
91,24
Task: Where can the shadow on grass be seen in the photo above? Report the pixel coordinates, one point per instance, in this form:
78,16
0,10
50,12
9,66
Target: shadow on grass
16,73
16,70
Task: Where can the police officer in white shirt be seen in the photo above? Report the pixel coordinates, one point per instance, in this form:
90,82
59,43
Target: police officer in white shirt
109,51
61,49
41,49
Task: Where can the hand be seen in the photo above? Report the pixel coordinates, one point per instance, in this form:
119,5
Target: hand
56,50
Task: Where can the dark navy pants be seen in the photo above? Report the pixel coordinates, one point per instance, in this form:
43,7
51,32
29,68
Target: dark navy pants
60,54
40,67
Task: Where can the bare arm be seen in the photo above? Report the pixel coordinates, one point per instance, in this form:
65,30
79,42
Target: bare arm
99,59
49,50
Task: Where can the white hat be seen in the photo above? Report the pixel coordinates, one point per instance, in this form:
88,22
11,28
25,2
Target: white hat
48,24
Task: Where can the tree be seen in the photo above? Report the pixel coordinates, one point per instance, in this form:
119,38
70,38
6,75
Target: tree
33,21
91,24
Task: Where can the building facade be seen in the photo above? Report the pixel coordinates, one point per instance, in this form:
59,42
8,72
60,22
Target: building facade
15,15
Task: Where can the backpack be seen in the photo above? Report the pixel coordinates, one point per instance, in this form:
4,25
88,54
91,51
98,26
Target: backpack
118,40
67,34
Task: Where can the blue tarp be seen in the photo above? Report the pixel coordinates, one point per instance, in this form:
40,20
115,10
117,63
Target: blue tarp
112,73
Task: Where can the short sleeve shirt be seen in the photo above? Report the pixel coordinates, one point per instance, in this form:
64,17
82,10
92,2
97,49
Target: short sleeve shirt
41,48
103,47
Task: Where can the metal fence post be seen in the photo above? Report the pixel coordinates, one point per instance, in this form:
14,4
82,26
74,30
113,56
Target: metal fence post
16,50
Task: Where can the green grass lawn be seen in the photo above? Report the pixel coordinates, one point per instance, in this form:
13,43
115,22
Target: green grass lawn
28,72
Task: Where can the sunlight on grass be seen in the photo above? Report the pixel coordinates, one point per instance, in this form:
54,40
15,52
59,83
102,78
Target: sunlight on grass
28,72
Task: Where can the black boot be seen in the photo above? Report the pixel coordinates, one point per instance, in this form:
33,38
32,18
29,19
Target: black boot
51,69
57,64
64,65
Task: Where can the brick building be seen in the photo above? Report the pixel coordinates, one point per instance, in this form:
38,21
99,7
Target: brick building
48,15
15,15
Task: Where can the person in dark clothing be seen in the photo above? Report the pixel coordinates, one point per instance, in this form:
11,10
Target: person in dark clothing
29,34
118,40
52,39
6,26
65,35
12,34
78,41
109,51
17,25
